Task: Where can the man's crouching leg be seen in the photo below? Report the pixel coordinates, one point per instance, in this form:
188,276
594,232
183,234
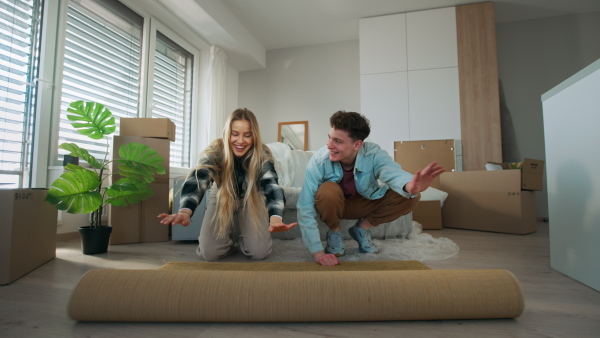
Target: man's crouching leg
329,202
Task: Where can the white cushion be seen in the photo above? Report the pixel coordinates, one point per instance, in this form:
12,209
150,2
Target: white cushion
433,194
283,163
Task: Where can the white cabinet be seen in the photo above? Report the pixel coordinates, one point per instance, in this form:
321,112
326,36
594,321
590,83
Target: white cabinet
411,91
446,97
382,53
431,39
384,101
434,104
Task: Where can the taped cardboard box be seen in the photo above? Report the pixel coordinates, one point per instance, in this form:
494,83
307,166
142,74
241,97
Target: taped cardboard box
488,201
27,232
532,177
137,223
428,214
148,127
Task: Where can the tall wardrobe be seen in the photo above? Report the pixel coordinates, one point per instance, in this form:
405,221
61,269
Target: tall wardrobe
432,75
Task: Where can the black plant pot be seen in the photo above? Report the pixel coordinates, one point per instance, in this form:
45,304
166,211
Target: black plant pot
94,240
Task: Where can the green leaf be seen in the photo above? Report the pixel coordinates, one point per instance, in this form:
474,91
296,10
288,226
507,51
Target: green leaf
514,165
139,183
75,192
139,162
97,120
137,175
75,150
127,193
71,167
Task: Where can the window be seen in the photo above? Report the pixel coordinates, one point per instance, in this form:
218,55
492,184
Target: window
19,60
171,97
102,63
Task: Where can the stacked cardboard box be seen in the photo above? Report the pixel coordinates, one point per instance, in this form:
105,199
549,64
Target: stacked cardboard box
416,155
137,223
27,232
148,127
532,173
499,200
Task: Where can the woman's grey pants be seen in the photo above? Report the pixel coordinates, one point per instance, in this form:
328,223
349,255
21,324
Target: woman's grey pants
252,244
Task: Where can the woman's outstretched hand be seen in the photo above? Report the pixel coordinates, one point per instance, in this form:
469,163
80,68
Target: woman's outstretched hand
276,225
182,218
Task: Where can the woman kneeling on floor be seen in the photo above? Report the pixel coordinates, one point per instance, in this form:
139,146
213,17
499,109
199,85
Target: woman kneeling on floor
244,192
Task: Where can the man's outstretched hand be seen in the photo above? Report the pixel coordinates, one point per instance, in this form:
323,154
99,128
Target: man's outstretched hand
423,178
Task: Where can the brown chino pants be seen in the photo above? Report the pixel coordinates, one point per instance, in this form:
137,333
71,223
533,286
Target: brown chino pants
332,206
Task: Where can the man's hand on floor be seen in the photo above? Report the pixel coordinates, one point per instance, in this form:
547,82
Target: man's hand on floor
326,259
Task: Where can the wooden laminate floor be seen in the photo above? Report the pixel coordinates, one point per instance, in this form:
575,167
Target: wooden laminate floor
556,305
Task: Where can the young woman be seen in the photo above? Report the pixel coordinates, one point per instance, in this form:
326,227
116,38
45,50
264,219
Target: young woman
244,195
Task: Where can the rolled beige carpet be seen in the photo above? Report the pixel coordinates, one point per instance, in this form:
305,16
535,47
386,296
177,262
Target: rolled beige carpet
294,296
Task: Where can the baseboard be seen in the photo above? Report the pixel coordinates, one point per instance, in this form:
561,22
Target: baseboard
67,236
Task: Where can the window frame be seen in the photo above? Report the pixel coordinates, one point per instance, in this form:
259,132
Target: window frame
43,130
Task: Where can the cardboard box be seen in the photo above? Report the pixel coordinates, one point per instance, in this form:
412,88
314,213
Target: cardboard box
137,223
532,177
27,232
416,155
148,127
429,214
488,201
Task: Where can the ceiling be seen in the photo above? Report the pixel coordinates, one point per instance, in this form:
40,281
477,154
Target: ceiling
291,23
246,29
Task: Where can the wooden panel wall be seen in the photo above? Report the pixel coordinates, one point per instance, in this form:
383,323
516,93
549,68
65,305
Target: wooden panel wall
479,92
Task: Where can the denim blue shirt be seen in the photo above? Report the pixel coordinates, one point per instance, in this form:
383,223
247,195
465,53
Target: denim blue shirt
374,173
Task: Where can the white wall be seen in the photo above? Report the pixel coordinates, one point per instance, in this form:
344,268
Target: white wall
303,84
231,86
533,57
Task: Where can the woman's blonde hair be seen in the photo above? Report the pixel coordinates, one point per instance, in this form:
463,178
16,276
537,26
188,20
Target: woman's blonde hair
223,173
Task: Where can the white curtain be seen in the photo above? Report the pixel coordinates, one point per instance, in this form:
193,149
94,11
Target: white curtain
216,92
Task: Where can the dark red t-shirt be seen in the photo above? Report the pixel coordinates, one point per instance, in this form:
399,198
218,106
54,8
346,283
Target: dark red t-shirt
347,184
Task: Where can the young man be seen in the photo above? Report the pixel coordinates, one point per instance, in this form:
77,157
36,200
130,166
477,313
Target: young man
353,179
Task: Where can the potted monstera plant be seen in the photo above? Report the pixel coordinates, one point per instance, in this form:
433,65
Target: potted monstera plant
82,190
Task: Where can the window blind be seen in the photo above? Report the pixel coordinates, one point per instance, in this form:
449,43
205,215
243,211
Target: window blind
19,59
171,94
101,64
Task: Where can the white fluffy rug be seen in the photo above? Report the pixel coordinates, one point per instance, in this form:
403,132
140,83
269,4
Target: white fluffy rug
419,246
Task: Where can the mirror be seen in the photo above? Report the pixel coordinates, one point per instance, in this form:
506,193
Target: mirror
294,134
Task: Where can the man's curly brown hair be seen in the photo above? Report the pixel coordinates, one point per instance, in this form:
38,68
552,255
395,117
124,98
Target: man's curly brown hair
357,126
